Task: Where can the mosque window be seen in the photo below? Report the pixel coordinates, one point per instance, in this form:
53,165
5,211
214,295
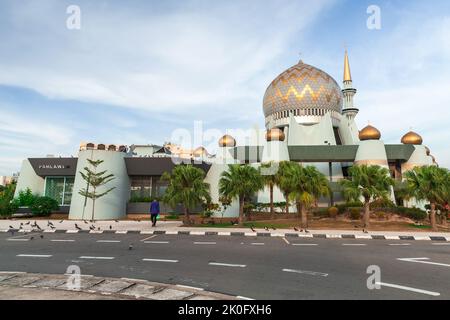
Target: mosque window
112,148
90,146
101,147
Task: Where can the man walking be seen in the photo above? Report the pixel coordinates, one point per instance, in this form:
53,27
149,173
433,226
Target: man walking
154,211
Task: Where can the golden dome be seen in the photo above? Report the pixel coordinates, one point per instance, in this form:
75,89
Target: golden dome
369,133
200,151
227,141
302,88
412,138
275,134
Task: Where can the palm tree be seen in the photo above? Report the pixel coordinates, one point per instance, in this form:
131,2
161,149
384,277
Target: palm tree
369,183
270,179
429,183
308,184
284,180
186,187
242,182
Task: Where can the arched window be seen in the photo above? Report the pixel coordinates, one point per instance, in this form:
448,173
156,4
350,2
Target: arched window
112,147
90,146
122,149
101,147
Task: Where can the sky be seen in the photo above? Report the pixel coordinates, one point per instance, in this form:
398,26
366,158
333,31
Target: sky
137,71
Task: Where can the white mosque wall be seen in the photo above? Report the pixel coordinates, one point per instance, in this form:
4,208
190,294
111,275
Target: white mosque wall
114,204
28,179
349,131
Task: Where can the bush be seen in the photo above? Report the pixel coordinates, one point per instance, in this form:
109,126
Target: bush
333,212
25,198
7,206
382,203
346,207
321,213
355,213
411,213
381,215
44,206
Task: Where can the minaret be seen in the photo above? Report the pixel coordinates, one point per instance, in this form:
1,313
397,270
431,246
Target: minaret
349,92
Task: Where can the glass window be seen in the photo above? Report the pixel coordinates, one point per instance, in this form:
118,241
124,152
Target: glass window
60,189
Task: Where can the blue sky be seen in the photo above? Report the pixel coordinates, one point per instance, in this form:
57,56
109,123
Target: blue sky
138,70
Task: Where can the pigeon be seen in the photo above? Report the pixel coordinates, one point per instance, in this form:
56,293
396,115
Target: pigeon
273,228
42,236
365,231
110,227
265,228
253,229
130,247
21,223
37,226
32,238
85,222
20,227
11,227
296,229
98,228
77,227
49,224
52,227
116,220
61,221
306,231
28,223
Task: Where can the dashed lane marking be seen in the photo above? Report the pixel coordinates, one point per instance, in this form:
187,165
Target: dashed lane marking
424,261
206,243
157,242
305,244
311,273
227,265
148,238
62,240
285,240
160,260
35,255
108,241
258,244
96,258
354,244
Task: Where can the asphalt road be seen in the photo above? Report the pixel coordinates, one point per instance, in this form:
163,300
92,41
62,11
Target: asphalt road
257,268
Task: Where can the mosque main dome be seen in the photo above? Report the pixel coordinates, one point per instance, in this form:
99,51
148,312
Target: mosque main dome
303,90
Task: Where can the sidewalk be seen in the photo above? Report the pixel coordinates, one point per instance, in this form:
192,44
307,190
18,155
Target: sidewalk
174,227
27,286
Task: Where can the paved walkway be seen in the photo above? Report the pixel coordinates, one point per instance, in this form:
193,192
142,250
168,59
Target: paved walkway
27,286
174,227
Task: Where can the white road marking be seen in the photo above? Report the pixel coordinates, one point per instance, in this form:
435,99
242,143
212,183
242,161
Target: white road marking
34,255
430,293
400,244
441,244
108,241
421,260
96,258
189,287
244,298
258,244
285,240
312,273
62,240
305,244
227,265
354,244
157,242
11,272
160,260
207,243
148,238
18,239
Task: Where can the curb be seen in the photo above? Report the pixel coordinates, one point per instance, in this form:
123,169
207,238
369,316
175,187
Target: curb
242,234
118,287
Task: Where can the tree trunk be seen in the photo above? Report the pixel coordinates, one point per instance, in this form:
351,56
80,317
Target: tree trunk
304,215
366,216
186,216
287,203
93,209
433,216
272,211
241,211
444,218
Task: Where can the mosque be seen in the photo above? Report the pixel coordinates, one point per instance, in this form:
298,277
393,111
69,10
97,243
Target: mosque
309,119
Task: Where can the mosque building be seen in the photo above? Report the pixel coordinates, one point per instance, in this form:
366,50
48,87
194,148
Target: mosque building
309,119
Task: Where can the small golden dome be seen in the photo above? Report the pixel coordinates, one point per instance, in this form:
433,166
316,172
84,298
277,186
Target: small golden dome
369,133
412,138
200,151
227,141
275,134
428,151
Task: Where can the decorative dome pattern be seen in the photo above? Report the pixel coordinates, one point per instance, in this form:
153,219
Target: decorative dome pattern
303,87
369,133
412,138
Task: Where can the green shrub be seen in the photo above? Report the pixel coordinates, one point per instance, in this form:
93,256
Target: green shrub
355,213
25,198
346,207
44,206
7,205
382,203
333,212
411,213
321,213
143,199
